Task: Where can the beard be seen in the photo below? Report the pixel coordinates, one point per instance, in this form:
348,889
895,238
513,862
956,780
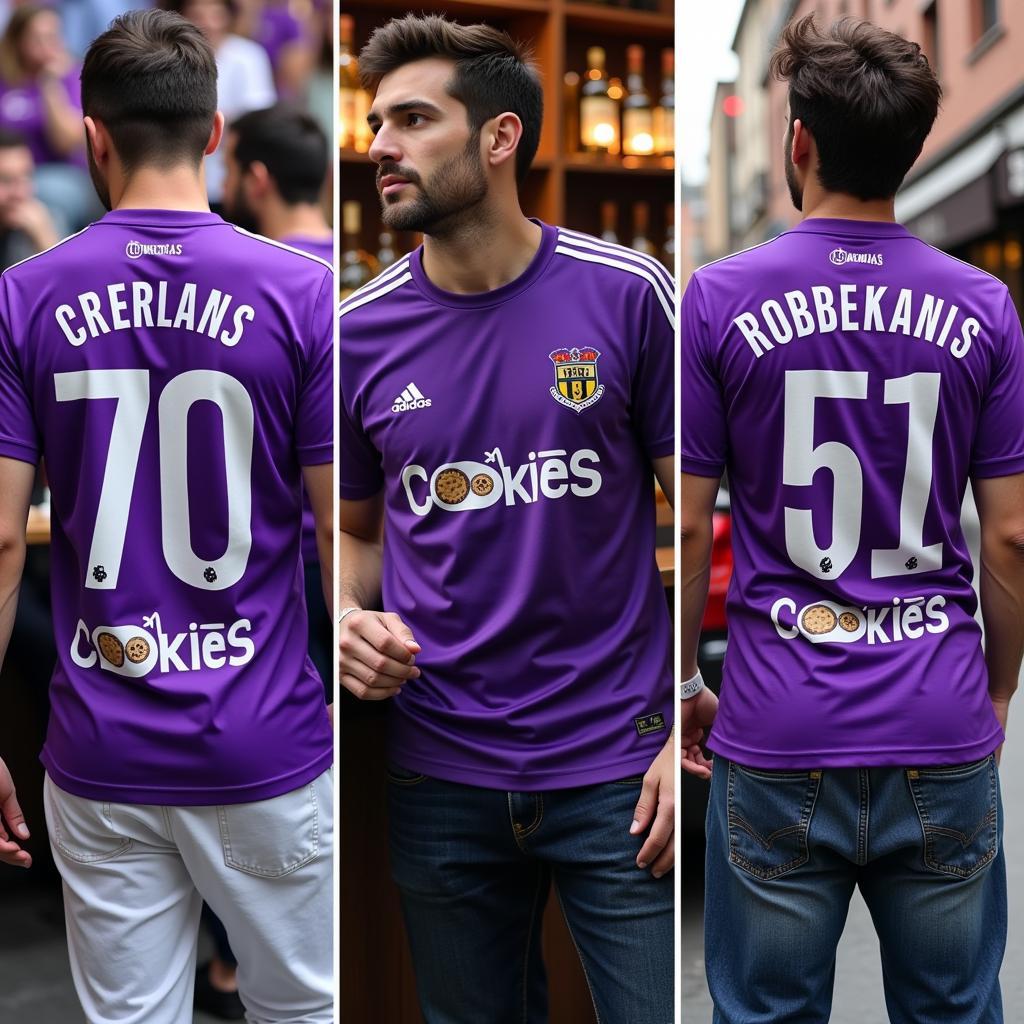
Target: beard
447,199
239,212
796,193
98,181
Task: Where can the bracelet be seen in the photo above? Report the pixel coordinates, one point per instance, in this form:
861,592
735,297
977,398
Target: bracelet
691,687
347,611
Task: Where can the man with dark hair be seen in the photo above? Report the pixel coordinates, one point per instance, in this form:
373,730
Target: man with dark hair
175,374
858,735
504,410
26,226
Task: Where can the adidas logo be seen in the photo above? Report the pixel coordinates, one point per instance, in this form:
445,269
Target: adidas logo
410,398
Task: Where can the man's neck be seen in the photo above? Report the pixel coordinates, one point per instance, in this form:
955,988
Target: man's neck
492,252
180,188
304,220
845,207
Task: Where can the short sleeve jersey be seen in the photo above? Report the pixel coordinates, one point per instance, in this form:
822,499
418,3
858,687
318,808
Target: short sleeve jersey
175,374
512,433
849,380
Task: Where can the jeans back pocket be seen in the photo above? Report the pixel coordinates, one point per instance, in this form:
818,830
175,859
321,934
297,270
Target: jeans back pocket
958,807
769,818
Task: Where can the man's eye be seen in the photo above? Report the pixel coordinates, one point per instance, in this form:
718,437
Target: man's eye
415,119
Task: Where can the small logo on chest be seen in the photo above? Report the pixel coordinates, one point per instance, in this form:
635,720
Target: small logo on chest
576,384
410,398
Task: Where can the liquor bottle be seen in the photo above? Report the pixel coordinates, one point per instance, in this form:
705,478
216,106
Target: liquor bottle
386,254
357,265
637,114
571,107
609,221
668,250
599,113
665,111
348,83
642,228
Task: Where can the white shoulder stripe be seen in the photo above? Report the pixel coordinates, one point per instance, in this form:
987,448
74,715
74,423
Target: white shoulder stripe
739,252
385,275
632,268
55,245
282,245
352,302
622,251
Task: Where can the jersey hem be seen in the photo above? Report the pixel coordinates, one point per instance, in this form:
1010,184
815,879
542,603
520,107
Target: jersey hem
316,455
1008,466
188,796
700,467
11,449
855,758
526,781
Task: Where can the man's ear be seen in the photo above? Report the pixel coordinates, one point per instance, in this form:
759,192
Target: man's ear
801,146
502,137
99,140
257,180
216,134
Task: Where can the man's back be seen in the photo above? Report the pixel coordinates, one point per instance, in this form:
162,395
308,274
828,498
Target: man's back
174,372
854,348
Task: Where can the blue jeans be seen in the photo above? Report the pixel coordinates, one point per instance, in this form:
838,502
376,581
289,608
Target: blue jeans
785,850
474,867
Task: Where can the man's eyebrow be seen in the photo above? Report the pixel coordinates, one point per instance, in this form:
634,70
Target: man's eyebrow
404,107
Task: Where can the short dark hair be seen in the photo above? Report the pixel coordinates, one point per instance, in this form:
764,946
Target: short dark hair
12,140
291,145
178,6
867,96
151,78
494,73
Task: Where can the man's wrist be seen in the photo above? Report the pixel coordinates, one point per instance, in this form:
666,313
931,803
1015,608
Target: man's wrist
348,611
689,688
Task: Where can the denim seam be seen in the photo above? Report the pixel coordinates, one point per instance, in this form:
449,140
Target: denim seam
529,940
520,834
579,953
863,816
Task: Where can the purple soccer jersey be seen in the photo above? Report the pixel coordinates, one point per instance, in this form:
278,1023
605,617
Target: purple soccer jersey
850,379
512,433
175,374
324,248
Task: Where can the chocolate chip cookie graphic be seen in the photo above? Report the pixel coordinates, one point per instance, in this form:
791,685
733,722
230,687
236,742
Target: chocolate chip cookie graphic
482,484
452,486
137,650
111,649
849,622
818,619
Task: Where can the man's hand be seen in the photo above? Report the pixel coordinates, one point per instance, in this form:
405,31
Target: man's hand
1002,709
377,654
657,804
695,719
11,819
34,219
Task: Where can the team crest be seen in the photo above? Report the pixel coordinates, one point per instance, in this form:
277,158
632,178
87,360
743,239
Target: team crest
576,383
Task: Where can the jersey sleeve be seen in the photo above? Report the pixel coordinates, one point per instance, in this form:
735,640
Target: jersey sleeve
704,439
999,441
653,400
19,436
314,425
360,473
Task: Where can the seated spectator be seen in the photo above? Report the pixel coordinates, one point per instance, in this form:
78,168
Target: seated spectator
245,80
26,226
40,99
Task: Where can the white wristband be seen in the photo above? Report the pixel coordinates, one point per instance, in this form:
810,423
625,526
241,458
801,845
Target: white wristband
347,611
691,687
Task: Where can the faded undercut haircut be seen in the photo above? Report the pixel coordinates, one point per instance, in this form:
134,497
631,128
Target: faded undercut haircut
868,97
151,79
494,74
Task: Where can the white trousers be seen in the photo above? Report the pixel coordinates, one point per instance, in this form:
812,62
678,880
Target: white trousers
135,877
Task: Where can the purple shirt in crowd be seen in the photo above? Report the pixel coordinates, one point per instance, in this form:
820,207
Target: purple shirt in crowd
22,111
175,373
512,434
849,379
324,248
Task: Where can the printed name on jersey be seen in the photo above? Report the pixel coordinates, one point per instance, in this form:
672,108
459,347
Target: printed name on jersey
467,485
136,650
137,304
576,383
411,398
857,307
825,621
133,250
840,257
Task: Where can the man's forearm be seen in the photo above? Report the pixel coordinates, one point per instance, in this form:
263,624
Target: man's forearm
695,565
1002,611
12,562
360,571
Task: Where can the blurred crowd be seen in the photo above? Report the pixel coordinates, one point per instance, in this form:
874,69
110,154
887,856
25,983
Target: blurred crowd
267,51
